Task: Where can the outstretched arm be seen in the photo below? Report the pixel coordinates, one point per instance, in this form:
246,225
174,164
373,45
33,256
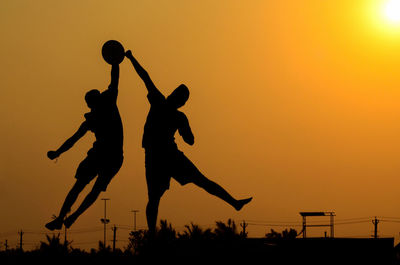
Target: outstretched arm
142,73
185,131
69,142
113,87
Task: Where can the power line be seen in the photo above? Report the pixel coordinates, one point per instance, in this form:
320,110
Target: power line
8,234
316,224
355,222
37,233
86,232
86,229
353,219
85,243
255,221
273,224
77,231
296,222
389,221
386,217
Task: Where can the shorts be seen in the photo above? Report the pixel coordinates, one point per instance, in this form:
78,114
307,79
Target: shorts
103,167
162,165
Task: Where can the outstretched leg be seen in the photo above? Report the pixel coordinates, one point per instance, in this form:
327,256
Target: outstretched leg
188,172
216,190
66,207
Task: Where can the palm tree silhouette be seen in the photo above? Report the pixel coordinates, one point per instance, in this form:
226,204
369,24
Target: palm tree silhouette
226,231
53,246
195,232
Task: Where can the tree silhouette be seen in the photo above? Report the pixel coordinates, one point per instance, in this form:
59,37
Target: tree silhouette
53,246
285,234
103,248
196,233
137,241
226,231
166,232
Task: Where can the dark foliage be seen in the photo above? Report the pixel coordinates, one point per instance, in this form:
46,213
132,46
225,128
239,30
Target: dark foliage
285,234
221,245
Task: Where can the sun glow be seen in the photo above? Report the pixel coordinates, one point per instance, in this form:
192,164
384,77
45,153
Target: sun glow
392,10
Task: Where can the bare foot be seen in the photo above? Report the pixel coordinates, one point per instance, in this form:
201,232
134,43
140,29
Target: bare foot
240,203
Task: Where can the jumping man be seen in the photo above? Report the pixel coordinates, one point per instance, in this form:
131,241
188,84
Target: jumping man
104,159
163,160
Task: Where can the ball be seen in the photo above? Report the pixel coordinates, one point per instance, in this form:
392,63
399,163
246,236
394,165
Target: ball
113,52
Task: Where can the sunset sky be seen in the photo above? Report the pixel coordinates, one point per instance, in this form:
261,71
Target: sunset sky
293,102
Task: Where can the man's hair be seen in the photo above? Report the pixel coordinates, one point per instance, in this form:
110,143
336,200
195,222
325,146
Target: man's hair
183,90
179,96
91,97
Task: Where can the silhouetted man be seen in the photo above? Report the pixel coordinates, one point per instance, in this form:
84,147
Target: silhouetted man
163,160
104,159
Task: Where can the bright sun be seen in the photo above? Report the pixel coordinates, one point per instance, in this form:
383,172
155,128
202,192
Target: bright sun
392,10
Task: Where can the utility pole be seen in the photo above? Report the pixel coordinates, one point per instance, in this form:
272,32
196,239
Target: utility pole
134,219
114,229
332,221
375,222
105,221
6,245
244,226
20,233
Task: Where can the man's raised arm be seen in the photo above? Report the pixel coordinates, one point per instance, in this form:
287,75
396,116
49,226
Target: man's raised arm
114,78
142,73
69,142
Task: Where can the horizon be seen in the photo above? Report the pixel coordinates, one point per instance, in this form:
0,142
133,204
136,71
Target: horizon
255,229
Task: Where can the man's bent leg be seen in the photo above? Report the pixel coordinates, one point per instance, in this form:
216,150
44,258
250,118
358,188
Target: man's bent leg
87,202
105,172
66,207
71,198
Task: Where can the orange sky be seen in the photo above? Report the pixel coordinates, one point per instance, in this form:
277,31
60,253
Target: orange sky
294,102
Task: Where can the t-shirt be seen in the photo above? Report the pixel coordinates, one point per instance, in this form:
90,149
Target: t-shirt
162,123
105,122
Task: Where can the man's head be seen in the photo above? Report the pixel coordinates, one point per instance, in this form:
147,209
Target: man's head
178,97
92,98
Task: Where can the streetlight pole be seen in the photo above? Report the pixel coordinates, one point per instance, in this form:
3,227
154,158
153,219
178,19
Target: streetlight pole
134,219
104,220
